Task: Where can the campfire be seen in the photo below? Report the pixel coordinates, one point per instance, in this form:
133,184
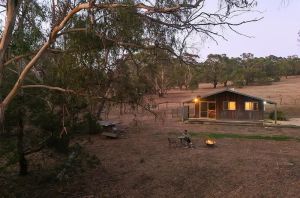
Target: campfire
210,142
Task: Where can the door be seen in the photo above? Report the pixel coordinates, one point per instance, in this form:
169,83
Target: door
208,110
211,110
203,111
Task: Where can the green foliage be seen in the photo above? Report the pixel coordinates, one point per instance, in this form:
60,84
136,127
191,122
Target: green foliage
247,70
92,125
71,165
77,161
280,116
60,144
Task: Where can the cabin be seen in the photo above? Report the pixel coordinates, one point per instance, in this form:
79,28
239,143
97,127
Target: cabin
227,104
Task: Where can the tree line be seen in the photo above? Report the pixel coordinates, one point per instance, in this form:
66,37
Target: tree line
247,69
161,71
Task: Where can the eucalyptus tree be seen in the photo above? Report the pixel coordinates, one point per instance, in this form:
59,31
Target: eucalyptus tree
81,48
293,64
214,69
183,70
248,64
228,66
160,23
238,72
154,69
273,68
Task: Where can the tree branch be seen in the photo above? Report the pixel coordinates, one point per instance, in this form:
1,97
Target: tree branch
55,32
142,9
19,57
10,19
49,87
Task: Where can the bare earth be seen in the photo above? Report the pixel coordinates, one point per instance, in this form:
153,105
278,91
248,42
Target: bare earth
141,164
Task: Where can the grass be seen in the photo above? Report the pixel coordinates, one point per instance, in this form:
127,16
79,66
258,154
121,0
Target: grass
243,136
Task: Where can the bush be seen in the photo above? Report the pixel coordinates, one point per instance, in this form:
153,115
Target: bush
263,81
93,126
277,79
88,125
61,145
239,83
77,162
71,165
280,116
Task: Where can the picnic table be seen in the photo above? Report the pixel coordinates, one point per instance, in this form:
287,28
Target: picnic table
181,138
184,142
110,129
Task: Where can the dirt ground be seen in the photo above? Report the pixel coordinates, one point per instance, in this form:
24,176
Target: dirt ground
143,165
284,92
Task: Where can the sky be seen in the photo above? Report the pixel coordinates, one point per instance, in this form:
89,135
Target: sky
276,34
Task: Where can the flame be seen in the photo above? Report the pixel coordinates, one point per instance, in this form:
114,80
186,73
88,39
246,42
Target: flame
208,141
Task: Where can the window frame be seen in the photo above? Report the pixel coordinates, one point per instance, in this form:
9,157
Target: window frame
252,104
227,102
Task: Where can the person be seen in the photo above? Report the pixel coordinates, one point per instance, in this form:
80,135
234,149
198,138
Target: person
187,138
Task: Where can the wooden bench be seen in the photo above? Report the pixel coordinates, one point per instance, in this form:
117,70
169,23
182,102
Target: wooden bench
183,141
181,138
110,134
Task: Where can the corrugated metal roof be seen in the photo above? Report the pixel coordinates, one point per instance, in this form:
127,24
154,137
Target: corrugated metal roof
240,93
235,92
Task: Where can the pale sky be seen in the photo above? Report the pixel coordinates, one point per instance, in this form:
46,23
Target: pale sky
276,34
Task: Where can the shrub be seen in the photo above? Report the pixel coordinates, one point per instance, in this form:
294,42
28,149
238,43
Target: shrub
77,162
280,116
239,83
61,145
72,164
263,81
93,126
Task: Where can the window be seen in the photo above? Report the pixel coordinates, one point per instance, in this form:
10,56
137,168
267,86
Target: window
251,106
229,105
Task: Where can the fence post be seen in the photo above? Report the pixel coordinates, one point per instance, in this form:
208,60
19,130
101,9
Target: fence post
275,113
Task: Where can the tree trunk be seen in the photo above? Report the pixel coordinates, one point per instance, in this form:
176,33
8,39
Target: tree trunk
121,108
23,166
12,8
160,93
10,19
100,109
225,83
2,130
215,83
246,82
41,51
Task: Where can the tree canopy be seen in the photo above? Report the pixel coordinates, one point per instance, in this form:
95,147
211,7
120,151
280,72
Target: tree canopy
60,60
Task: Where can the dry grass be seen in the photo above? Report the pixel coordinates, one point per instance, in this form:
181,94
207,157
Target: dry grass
143,165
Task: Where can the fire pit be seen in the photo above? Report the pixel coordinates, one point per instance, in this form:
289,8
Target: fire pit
210,142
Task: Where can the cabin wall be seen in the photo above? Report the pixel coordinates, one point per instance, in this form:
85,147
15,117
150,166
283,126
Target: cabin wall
240,113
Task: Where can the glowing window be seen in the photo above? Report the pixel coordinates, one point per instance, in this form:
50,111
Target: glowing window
229,105
251,106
